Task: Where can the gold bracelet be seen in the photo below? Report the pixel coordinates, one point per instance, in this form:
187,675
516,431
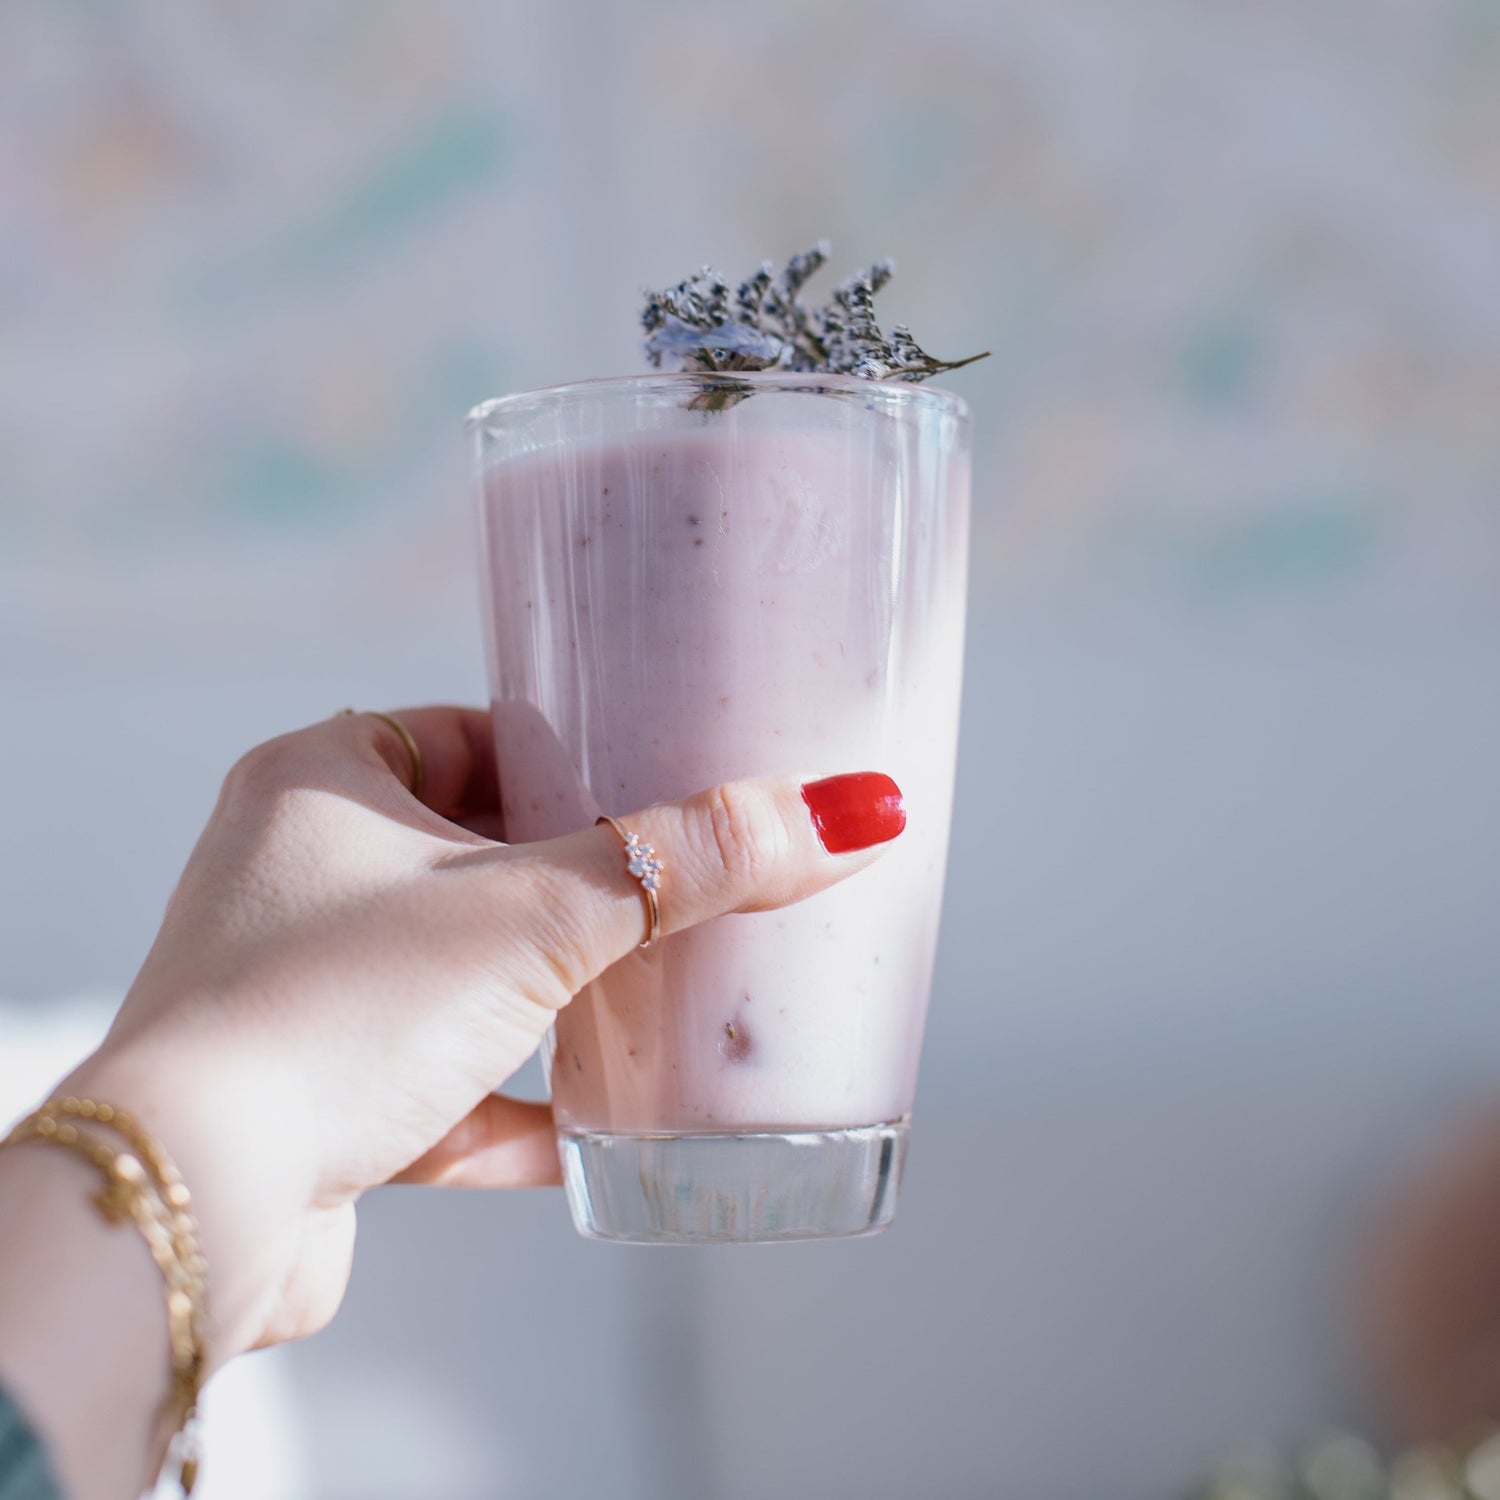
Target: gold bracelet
189,1353
143,1185
169,1184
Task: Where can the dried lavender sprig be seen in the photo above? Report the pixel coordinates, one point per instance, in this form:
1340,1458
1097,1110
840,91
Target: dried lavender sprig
766,326
750,300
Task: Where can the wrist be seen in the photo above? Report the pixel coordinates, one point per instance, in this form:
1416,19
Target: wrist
230,1132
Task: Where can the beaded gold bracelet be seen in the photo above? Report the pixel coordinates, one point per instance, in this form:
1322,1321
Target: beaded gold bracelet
141,1184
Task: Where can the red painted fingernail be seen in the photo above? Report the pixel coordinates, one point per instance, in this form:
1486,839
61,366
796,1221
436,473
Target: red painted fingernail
855,811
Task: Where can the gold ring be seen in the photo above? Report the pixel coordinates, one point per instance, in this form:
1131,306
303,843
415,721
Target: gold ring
644,865
418,766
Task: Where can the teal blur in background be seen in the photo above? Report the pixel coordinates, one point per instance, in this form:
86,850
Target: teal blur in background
1219,950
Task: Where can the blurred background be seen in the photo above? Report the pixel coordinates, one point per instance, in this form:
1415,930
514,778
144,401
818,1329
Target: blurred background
1221,943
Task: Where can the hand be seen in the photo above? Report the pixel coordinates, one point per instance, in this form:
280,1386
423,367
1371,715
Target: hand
345,973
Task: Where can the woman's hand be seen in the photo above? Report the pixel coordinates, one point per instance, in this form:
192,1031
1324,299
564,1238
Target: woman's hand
345,973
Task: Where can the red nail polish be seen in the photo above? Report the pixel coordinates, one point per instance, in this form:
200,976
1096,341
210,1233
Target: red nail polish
855,811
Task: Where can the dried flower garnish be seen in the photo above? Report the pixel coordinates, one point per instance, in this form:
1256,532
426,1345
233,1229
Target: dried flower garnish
763,325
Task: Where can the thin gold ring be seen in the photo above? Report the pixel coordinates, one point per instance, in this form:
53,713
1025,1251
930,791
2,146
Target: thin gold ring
645,866
418,765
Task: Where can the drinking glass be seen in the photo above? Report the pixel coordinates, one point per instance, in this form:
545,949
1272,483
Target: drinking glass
689,579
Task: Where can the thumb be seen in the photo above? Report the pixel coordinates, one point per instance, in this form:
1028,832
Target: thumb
738,847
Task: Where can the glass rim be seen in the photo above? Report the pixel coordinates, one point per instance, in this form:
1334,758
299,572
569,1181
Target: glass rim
891,392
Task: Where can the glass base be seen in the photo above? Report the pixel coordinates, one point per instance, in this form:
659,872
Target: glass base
733,1189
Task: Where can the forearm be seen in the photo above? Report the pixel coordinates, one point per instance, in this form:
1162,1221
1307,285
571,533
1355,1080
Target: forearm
83,1332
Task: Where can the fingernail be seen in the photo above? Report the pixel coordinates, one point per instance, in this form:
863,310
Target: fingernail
852,812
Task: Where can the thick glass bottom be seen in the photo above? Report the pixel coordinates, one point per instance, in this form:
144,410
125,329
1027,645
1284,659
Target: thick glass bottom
733,1189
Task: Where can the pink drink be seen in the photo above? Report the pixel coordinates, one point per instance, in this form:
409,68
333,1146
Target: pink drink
678,597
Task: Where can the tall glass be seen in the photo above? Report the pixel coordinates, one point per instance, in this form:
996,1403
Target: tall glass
690,579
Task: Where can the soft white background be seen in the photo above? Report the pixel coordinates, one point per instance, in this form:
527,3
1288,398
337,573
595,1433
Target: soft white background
1220,944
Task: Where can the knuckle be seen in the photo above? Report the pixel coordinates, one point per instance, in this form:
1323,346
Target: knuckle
275,782
257,771
745,831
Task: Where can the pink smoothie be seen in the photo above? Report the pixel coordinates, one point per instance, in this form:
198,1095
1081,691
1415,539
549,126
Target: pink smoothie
753,593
